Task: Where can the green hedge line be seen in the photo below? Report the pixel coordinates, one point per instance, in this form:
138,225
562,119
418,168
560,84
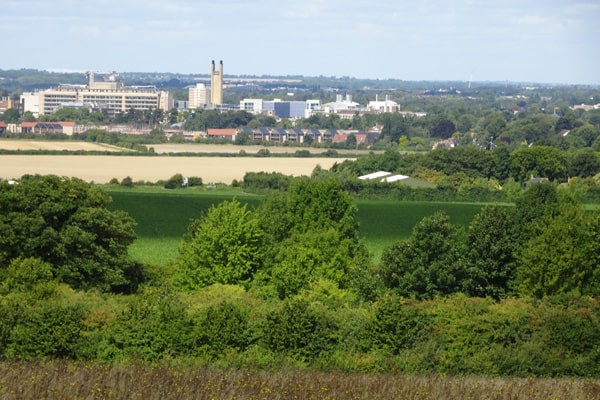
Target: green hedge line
322,328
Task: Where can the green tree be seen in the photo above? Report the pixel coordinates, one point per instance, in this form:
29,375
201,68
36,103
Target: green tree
490,128
28,274
10,116
221,327
542,161
584,163
316,204
314,232
67,223
224,246
429,262
444,128
562,256
300,329
490,256
351,141
588,132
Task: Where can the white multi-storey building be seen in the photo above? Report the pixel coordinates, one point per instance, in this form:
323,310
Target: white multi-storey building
111,95
199,96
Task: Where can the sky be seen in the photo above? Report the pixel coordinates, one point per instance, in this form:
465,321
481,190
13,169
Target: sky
543,41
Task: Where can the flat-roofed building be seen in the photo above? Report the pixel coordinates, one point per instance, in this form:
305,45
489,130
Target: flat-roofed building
199,96
111,95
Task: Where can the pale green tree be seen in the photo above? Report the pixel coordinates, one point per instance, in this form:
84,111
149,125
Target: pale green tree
223,246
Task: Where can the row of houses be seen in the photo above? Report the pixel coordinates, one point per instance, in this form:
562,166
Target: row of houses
265,134
296,135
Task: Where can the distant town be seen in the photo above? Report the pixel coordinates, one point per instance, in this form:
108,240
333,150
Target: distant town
282,106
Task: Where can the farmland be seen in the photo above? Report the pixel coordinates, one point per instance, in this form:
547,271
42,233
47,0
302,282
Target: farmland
24,145
101,169
236,149
163,217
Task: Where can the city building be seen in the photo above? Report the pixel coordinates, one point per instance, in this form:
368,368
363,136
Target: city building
199,96
31,103
279,108
6,104
111,95
344,107
312,106
253,106
386,106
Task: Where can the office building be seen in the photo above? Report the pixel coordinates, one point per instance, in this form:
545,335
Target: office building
199,96
111,95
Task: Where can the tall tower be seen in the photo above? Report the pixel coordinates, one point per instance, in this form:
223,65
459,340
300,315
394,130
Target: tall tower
216,84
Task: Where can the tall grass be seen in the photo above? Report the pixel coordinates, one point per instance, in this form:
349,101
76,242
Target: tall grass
59,379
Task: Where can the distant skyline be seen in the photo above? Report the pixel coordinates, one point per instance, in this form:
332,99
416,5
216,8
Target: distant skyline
543,41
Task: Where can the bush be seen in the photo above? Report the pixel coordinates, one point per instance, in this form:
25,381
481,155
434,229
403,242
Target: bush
174,182
194,181
300,330
127,182
221,328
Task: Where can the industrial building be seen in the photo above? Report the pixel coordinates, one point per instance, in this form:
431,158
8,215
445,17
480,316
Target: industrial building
216,84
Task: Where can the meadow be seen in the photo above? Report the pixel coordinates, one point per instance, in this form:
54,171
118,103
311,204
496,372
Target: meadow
163,216
59,379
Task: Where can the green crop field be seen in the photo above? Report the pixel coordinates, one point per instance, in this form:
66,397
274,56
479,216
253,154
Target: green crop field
163,216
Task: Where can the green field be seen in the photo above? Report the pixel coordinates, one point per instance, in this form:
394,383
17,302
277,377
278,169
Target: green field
163,216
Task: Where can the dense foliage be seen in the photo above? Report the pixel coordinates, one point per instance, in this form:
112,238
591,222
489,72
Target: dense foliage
288,283
66,223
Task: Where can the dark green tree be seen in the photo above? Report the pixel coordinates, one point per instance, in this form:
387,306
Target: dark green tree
67,223
10,116
490,257
584,163
429,262
443,129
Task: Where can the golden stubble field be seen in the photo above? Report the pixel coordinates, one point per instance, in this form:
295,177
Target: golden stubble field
102,168
235,149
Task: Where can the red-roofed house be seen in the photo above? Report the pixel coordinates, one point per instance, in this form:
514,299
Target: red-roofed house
2,127
222,134
339,138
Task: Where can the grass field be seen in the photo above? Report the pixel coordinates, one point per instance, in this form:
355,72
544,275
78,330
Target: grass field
164,215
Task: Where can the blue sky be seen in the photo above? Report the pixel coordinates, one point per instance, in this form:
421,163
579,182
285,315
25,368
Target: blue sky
549,41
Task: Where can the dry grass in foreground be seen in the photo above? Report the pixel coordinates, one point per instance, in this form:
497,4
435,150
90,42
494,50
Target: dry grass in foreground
69,380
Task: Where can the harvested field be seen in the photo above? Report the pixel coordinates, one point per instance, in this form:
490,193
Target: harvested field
25,145
101,169
235,149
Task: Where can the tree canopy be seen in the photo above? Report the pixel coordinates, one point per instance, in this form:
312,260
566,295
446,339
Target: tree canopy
66,223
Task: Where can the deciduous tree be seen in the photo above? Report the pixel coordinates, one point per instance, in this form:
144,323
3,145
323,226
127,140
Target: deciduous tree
66,223
224,246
